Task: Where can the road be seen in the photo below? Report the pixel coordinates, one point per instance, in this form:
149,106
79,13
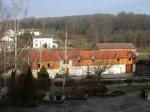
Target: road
127,103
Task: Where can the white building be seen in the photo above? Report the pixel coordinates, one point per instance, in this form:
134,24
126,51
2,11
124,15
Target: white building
10,33
82,62
7,42
30,31
44,42
35,33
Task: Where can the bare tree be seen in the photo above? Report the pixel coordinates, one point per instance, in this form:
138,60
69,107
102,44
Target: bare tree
101,66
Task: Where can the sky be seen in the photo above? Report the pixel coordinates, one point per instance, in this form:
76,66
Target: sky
59,8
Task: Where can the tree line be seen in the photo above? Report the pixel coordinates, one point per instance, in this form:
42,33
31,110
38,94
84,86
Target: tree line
124,27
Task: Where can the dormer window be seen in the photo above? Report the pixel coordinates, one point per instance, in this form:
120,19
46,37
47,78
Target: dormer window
38,65
65,61
118,59
129,59
79,59
93,58
48,65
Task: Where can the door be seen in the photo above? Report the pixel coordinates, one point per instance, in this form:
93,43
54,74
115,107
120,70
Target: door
128,68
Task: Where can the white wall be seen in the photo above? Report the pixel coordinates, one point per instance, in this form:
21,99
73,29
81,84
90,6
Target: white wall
39,42
79,71
116,69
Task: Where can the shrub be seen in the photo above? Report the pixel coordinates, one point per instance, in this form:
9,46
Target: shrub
58,75
29,87
23,89
43,80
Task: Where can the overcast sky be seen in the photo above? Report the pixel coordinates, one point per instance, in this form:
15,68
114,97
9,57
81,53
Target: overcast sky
57,8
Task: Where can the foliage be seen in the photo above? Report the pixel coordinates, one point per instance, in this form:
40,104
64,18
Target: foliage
23,88
58,75
12,84
124,27
29,86
43,73
43,79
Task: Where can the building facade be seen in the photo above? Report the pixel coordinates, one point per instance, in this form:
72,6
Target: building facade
80,62
44,42
7,42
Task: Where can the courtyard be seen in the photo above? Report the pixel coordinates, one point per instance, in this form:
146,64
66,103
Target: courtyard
129,102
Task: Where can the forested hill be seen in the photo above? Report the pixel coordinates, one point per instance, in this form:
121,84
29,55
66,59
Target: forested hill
124,27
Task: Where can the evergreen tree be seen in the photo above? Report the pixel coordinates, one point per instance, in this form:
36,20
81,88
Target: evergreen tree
43,79
29,87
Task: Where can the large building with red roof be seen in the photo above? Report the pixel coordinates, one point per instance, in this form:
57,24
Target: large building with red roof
79,62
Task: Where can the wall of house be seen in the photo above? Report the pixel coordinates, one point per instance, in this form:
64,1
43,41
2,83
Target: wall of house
82,70
103,61
52,65
40,42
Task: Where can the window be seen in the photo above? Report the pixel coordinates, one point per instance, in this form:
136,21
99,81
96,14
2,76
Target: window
129,59
79,60
38,65
48,65
65,61
118,59
93,58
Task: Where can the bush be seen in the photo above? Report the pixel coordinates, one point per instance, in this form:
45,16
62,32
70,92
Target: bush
58,75
43,80
43,73
23,89
29,87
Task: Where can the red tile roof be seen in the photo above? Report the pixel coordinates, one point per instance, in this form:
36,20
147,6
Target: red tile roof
56,55
115,46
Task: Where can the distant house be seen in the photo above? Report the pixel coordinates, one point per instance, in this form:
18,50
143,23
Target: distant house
80,61
44,42
114,47
7,41
36,33
30,31
10,33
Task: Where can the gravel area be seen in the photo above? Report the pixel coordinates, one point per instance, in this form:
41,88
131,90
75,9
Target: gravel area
126,103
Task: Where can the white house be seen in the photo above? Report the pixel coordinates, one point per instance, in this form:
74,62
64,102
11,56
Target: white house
44,42
7,42
35,33
10,33
30,31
